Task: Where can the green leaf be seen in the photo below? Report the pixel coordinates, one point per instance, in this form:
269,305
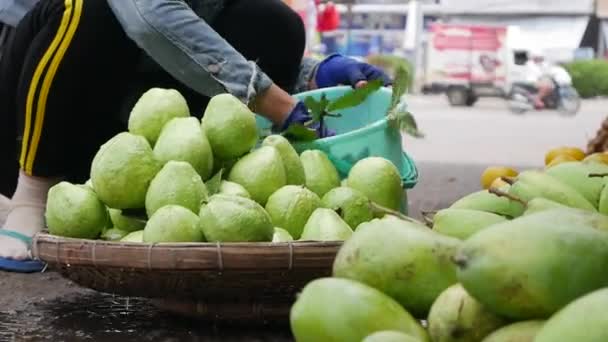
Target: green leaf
356,96
300,133
405,122
400,85
213,184
314,106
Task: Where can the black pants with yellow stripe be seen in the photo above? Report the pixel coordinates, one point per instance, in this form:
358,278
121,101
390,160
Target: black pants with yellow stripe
70,75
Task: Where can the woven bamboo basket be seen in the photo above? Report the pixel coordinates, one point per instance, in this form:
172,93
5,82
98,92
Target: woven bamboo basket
232,281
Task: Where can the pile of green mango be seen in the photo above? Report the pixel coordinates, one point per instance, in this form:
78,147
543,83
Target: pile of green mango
525,262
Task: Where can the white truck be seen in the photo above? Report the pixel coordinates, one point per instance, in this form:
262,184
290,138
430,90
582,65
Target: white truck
471,61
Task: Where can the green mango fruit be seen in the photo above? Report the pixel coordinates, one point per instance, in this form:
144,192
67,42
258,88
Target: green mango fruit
536,205
489,202
583,320
405,260
517,332
576,175
532,266
603,204
390,336
463,223
342,310
457,317
533,184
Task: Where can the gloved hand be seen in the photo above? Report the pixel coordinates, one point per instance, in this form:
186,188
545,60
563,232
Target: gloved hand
337,69
300,115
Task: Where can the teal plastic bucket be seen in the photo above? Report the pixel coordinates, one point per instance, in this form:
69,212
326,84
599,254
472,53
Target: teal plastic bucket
361,132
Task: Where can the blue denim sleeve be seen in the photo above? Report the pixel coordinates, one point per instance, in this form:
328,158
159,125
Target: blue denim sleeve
176,38
11,11
308,69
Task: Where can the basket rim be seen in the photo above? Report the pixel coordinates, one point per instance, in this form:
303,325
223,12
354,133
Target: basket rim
204,256
46,237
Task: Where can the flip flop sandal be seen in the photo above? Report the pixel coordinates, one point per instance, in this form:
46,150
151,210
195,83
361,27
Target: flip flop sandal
20,266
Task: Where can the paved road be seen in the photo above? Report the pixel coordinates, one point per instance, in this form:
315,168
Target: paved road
489,134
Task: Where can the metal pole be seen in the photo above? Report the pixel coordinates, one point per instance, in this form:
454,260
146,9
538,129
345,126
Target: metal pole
349,20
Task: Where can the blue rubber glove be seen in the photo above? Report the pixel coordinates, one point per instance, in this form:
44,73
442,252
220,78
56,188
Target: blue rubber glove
300,115
339,70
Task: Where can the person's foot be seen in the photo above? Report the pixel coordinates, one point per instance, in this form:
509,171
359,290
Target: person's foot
26,215
27,219
5,208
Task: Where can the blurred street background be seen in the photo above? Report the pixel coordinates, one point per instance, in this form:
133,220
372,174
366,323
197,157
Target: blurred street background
489,134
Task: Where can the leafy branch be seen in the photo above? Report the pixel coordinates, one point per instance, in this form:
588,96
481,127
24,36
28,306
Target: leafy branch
397,115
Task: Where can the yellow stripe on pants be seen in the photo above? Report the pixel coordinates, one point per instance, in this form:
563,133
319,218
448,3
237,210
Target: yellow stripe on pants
48,81
36,79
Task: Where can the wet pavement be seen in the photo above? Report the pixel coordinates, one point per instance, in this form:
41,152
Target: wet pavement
103,317
47,307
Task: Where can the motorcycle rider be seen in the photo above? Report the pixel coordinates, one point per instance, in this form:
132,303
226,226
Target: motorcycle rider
538,72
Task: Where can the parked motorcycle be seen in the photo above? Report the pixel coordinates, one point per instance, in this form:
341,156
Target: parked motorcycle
564,98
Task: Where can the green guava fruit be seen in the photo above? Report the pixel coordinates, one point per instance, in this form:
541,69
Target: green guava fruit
176,183
325,225
281,235
294,170
173,223
231,188
350,204
182,139
379,180
154,109
137,236
261,173
235,219
113,234
75,211
291,206
321,175
125,223
122,171
230,127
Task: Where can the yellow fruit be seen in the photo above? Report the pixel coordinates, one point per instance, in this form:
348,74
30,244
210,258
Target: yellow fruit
563,158
495,172
573,152
601,157
498,183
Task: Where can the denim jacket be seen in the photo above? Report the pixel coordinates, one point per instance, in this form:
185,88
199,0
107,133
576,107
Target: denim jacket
176,35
